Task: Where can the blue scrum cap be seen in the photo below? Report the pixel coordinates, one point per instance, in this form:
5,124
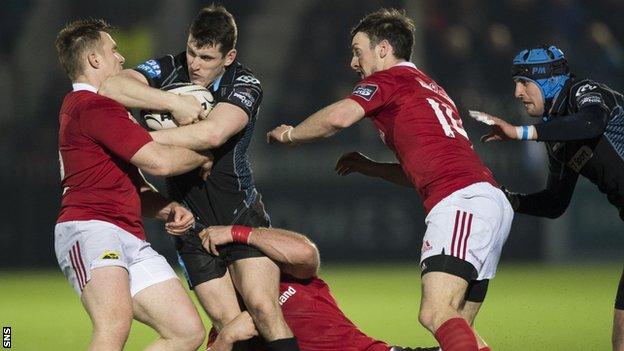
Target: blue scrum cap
545,66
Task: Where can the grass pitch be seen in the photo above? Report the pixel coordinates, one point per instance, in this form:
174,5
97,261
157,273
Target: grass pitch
529,307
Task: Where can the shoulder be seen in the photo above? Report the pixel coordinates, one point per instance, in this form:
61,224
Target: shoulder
157,67
243,76
585,92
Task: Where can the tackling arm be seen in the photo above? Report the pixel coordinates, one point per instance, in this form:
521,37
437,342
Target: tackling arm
357,162
130,88
294,253
163,160
322,124
552,201
224,121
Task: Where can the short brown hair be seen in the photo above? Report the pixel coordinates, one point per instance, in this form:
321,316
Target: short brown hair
73,40
214,25
389,24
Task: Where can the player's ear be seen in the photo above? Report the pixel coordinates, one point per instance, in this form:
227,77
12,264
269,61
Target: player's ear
94,59
384,48
230,57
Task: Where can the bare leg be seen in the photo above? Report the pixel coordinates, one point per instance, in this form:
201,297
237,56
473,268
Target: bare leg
618,330
257,280
169,310
106,297
218,298
442,298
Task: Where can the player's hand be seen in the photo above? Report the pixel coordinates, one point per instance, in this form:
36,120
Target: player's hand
204,170
187,109
281,134
240,328
500,130
216,235
180,219
354,162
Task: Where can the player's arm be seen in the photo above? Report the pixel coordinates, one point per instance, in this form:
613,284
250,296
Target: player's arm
588,122
357,162
166,160
177,218
131,89
294,253
223,122
240,328
322,124
553,200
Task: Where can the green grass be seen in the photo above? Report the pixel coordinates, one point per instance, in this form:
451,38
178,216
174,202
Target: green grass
529,307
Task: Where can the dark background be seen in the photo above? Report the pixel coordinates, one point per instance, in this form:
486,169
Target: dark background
300,52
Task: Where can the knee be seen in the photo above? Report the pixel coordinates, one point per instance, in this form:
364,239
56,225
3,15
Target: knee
115,330
426,317
263,307
191,337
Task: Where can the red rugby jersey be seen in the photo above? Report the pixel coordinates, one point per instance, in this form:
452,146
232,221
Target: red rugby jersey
96,141
419,122
316,320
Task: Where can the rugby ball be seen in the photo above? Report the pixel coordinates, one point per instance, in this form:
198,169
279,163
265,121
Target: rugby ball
157,120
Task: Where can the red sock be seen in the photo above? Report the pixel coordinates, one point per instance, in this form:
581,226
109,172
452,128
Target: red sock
485,348
456,335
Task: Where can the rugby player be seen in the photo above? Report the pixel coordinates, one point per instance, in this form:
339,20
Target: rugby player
99,239
309,307
228,195
583,134
468,217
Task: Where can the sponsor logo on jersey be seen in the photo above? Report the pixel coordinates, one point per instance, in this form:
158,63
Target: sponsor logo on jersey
245,97
585,88
589,99
151,68
286,295
248,79
110,255
365,91
579,159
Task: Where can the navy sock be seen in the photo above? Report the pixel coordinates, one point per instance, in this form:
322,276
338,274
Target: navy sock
288,344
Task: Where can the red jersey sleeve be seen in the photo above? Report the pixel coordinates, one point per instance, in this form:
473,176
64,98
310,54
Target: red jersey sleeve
108,123
374,92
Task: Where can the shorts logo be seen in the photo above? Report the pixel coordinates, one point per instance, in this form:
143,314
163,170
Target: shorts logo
151,68
109,255
426,246
365,91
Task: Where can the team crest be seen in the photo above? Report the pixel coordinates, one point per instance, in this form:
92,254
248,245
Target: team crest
109,255
365,91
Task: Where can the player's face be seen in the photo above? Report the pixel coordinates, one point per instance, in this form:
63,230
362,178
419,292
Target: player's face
112,60
365,59
531,96
207,63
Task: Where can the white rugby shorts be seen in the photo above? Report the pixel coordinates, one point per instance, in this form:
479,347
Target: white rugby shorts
470,225
84,245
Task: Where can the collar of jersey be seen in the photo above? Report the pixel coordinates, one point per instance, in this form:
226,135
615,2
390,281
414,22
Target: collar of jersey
84,86
215,85
406,63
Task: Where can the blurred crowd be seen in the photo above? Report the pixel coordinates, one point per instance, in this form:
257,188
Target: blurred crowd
466,45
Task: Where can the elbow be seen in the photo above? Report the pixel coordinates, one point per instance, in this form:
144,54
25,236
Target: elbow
556,211
158,167
338,121
309,256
